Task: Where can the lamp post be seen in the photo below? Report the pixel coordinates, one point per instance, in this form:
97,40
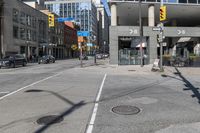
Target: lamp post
141,33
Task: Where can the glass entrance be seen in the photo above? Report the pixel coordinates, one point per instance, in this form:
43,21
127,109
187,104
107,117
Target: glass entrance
129,51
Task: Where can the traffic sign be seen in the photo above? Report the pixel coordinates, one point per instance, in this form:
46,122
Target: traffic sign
65,19
156,29
83,33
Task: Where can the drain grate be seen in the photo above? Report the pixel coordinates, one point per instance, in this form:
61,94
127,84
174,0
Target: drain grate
51,119
126,110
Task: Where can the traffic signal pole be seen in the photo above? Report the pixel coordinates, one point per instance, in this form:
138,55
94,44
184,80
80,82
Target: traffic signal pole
161,42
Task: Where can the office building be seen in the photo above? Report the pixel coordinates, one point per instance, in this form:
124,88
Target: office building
181,30
23,29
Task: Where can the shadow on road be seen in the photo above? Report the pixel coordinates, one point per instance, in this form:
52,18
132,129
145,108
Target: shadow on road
188,84
73,107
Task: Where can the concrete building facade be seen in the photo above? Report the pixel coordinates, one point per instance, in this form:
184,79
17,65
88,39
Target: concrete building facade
180,29
23,28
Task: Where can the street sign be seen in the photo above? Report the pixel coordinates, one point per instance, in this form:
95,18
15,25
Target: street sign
156,28
65,19
83,33
89,44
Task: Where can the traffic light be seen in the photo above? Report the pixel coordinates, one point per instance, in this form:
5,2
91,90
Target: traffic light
163,13
51,20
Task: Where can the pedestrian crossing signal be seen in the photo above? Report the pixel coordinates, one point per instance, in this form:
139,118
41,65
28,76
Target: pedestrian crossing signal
163,13
51,20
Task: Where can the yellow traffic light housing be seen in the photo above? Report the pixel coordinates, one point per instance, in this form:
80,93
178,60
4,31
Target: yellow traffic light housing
163,13
51,20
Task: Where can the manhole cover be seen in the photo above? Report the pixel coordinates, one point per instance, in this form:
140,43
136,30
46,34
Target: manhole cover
51,119
126,110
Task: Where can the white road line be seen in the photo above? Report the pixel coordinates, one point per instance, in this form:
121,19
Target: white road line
94,113
29,86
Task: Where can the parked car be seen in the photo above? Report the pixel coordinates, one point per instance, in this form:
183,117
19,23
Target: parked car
46,59
84,57
99,56
105,55
13,60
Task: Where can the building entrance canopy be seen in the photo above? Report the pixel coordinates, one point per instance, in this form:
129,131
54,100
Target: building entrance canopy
185,14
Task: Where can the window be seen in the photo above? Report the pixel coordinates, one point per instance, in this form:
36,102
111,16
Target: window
22,33
22,18
28,35
15,32
28,18
33,36
34,22
15,15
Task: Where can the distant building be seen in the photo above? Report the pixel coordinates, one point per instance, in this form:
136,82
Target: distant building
103,28
55,45
70,38
83,12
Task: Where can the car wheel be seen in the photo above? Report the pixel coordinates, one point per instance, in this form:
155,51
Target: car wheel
24,64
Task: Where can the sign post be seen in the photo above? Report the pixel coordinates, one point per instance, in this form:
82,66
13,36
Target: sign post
81,53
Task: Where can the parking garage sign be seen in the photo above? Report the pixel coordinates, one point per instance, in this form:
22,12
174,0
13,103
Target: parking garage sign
133,31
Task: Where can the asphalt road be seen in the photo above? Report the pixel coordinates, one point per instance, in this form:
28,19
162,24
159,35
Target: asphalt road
83,99
15,78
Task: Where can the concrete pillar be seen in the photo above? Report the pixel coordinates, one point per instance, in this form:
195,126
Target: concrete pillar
113,14
151,15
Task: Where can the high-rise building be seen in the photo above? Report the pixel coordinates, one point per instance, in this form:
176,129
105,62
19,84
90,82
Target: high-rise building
83,12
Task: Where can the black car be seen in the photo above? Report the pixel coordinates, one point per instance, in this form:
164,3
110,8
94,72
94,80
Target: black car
46,59
13,60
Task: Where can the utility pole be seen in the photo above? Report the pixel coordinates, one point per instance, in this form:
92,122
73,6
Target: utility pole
162,18
141,33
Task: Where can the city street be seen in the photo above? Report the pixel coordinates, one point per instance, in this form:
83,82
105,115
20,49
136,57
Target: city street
83,100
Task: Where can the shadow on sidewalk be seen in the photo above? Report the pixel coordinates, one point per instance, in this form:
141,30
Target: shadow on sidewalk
73,107
188,84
